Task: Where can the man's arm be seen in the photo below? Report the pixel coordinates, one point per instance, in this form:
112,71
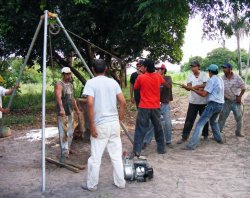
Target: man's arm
167,84
4,110
92,126
239,97
58,95
200,86
132,92
137,83
122,103
10,91
202,93
187,87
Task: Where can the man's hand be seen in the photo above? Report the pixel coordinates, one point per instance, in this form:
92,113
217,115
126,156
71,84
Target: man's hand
5,110
133,100
93,132
238,99
16,86
188,88
121,116
62,112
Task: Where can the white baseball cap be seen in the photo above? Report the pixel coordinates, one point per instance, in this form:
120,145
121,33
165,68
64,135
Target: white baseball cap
66,70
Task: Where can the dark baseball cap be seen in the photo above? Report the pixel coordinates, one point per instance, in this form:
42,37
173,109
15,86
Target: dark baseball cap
194,64
227,65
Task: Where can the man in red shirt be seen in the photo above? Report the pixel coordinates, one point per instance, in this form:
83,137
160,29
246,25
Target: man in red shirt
149,107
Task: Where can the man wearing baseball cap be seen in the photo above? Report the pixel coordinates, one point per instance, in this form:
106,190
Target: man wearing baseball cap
65,116
197,103
135,94
234,90
214,90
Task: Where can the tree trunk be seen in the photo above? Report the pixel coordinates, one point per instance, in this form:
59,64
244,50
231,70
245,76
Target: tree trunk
238,52
248,60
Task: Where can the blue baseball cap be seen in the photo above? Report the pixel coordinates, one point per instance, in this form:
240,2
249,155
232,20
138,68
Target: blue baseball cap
213,67
227,65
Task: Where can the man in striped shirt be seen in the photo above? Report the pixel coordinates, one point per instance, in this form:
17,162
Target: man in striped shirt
234,90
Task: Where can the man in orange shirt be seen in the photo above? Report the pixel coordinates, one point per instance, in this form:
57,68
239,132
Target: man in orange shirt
149,107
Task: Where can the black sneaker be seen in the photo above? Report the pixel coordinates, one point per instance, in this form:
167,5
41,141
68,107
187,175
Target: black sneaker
220,142
169,145
181,141
187,148
205,138
134,154
161,152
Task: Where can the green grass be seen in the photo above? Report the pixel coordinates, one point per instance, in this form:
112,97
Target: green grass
30,97
20,120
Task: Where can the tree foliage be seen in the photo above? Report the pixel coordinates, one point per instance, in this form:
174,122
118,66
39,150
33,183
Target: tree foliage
224,19
217,56
218,15
124,28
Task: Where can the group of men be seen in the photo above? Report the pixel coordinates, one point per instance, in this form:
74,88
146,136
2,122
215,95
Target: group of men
211,96
151,90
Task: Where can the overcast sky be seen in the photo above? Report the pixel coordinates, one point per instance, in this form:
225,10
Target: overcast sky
195,46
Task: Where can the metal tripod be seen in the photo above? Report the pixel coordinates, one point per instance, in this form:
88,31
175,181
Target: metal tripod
44,18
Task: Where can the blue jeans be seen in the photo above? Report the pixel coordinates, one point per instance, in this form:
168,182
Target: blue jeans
166,124
237,110
210,114
144,116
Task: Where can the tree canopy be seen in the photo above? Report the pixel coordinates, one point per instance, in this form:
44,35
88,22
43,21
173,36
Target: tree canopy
217,56
124,28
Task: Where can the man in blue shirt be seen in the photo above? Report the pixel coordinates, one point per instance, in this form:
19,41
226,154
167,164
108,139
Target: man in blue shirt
214,90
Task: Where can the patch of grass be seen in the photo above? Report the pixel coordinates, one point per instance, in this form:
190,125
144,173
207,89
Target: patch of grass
178,77
19,120
30,97
126,91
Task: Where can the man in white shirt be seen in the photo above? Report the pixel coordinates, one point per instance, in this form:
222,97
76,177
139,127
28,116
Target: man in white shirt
214,91
4,92
103,93
197,104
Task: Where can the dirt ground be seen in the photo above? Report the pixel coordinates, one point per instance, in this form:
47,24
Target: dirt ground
212,170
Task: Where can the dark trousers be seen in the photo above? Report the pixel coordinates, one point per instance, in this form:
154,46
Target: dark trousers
193,110
142,123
